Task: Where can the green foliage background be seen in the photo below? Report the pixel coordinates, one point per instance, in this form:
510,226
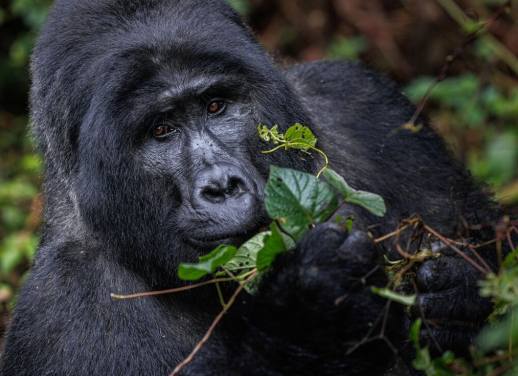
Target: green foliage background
475,107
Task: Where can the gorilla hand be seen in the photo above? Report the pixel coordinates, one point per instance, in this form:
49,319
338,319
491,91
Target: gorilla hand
320,299
449,302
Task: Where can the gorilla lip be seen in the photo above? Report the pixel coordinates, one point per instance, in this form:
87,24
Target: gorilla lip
215,240
231,238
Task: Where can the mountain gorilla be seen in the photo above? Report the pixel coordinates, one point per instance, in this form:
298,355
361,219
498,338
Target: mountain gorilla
146,114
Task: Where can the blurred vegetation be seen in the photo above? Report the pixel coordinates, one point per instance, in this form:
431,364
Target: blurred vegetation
20,166
475,107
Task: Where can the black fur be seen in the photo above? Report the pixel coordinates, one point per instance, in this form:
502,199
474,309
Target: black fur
123,209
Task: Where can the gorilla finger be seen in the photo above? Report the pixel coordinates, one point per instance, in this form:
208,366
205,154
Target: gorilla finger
321,243
444,273
453,305
359,251
442,338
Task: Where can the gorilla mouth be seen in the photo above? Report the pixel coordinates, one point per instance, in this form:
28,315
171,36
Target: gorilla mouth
214,240
207,236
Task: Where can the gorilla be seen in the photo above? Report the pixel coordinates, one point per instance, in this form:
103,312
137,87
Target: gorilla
146,112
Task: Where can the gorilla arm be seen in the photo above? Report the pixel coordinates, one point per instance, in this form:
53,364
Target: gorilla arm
359,117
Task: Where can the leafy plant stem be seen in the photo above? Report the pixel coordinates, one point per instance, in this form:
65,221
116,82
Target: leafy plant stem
220,295
288,145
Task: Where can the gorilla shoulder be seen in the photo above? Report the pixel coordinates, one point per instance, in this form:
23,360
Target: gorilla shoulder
330,83
359,115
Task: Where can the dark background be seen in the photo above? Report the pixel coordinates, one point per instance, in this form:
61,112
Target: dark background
475,107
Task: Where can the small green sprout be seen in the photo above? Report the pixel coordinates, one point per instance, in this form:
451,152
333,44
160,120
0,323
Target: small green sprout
297,137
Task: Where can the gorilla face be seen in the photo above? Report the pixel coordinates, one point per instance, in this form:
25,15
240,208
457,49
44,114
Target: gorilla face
169,153
198,142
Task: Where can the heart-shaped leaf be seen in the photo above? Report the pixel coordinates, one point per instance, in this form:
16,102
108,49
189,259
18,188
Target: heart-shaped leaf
297,200
246,255
301,137
370,201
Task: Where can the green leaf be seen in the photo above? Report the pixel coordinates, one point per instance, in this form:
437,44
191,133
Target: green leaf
370,201
16,248
273,246
408,300
500,334
241,6
298,200
415,332
246,255
207,264
511,260
348,48
300,137
423,361
268,135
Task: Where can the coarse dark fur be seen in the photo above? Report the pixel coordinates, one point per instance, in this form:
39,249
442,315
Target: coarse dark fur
123,208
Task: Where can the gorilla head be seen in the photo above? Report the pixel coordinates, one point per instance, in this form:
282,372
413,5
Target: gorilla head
147,113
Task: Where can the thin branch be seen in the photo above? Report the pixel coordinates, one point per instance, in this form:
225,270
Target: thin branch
209,332
457,250
220,295
169,291
404,224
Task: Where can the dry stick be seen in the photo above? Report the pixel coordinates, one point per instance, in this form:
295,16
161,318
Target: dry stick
409,222
367,338
482,245
491,359
457,250
481,259
449,242
382,335
390,235
501,370
169,291
209,332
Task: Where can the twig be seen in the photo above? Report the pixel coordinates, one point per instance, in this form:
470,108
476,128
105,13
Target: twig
457,250
220,295
169,291
209,332
288,145
480,258
390,234
491,359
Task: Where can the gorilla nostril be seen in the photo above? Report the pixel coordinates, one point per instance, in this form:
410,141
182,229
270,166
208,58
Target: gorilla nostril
217,194
235,186
213,194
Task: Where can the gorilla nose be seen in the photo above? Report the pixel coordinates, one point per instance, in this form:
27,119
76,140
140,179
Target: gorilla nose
220,183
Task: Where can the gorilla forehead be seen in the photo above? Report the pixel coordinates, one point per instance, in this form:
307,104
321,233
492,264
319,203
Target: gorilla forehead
109,48
106,25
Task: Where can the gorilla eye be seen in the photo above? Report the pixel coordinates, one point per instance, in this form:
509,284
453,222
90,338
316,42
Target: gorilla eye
216,107
163,130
